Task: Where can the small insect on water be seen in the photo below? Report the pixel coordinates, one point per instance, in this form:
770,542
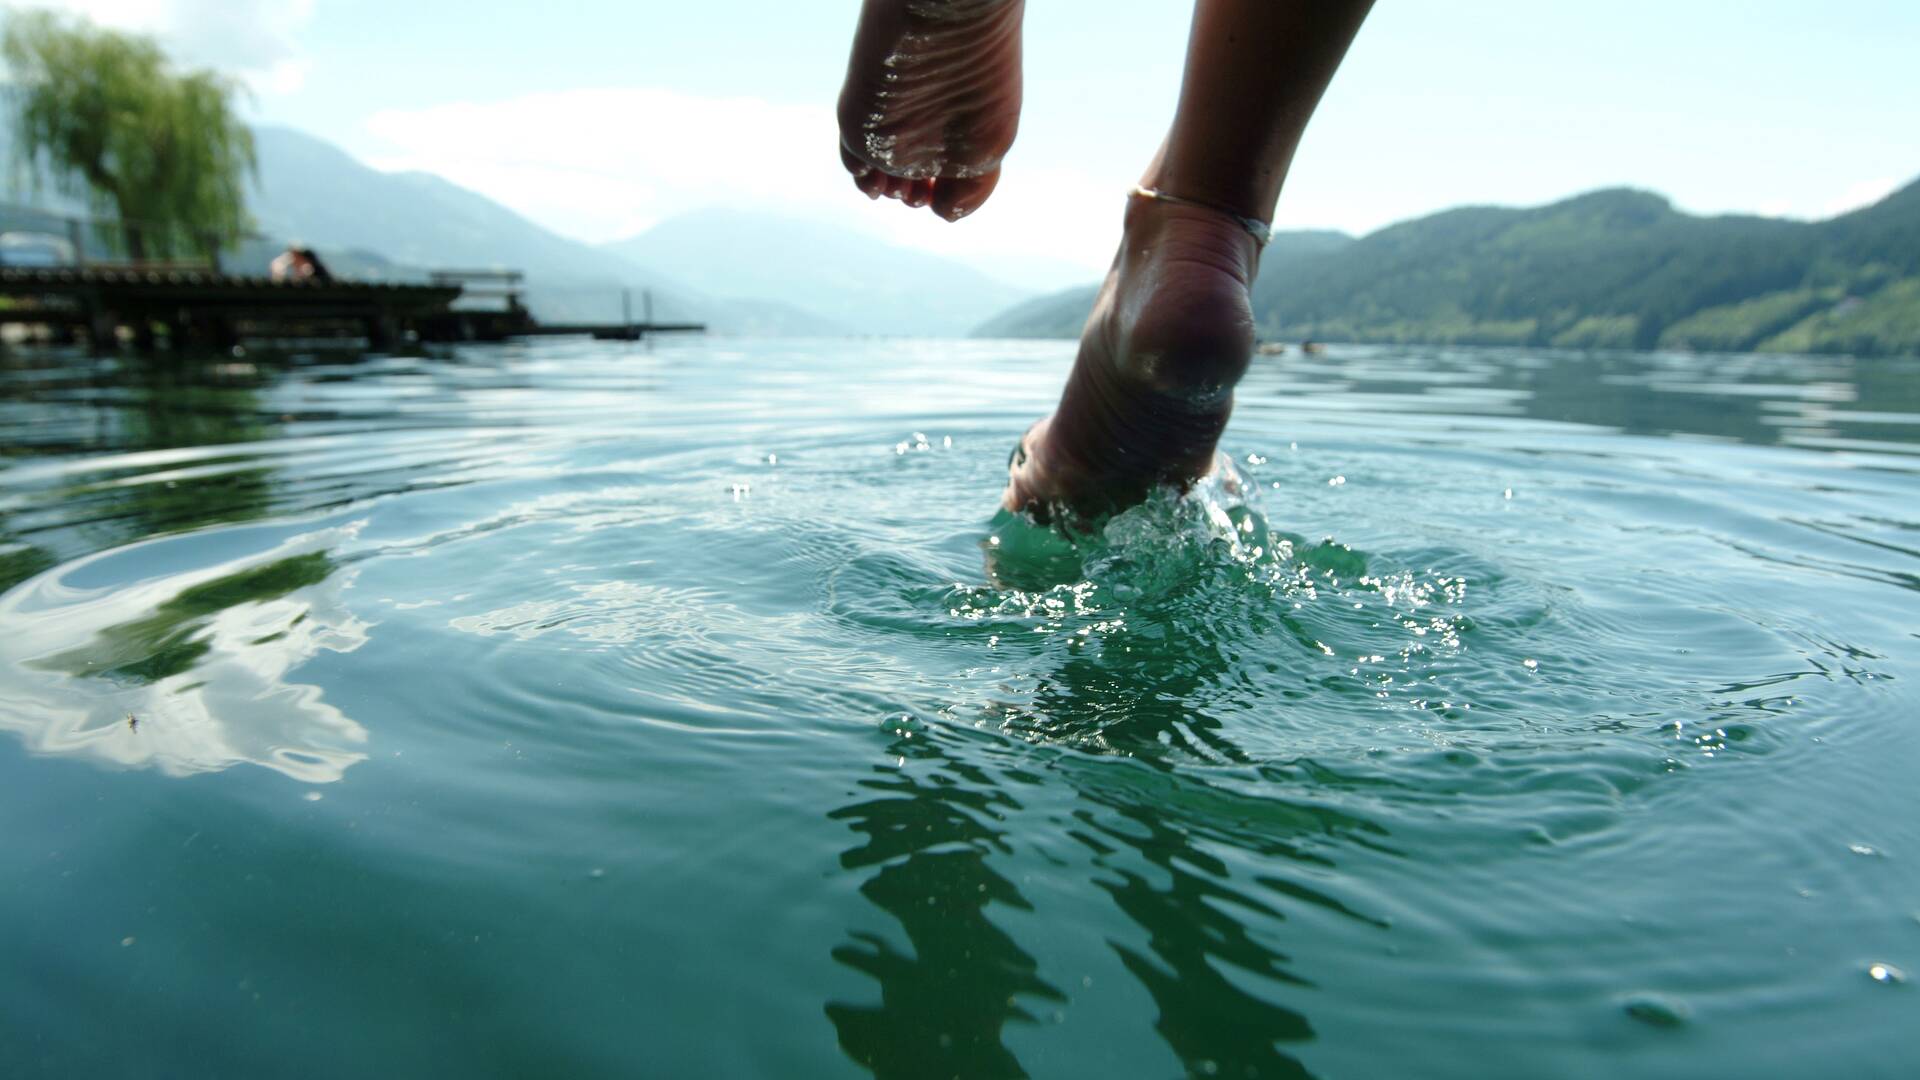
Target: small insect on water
133,723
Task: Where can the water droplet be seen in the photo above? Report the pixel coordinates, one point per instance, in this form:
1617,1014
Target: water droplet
1656,1010
597,872
1862,849
1885,974
126,941
1531,664
1337,481
311,796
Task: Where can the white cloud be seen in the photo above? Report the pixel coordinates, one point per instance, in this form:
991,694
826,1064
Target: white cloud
257,40
1811,204
1864,193
604,163
1041,212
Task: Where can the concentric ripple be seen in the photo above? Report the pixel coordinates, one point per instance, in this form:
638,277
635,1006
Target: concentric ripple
690,711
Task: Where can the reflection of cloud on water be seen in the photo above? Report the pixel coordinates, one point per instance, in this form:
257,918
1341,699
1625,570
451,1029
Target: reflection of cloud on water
184,672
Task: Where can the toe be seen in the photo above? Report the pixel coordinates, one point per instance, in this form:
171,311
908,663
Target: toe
957,197
918,193
865,177
853,164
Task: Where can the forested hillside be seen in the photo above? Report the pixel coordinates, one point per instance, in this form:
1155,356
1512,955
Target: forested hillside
1610,269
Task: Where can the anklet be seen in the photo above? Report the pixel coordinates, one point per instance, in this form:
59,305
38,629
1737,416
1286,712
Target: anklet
1260,230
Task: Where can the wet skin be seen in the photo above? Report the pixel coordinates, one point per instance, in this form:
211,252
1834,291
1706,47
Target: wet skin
929,109
932,100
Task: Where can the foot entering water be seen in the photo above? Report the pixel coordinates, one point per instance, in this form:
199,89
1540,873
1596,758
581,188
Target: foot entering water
932,100
1170,335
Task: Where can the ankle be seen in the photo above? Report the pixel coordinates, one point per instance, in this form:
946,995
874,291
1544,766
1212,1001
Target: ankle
1241,188
1178,231
1179,328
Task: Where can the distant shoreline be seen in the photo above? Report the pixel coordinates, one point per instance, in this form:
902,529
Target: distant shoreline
1614,269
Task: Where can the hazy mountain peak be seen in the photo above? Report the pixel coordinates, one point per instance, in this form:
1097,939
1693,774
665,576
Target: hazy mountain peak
843,274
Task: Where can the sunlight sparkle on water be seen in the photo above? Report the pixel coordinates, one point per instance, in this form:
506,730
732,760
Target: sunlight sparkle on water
742,671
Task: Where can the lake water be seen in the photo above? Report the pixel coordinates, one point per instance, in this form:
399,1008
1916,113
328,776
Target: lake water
582,709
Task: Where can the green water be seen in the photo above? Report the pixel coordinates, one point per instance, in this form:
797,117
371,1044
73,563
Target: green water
591,710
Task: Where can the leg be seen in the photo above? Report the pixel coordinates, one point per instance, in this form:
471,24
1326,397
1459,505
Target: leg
1171,332
932,100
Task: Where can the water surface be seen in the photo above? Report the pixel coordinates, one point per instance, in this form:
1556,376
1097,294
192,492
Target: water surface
586,709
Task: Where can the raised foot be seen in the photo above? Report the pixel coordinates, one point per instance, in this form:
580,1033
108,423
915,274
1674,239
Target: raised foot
1170,336
932,100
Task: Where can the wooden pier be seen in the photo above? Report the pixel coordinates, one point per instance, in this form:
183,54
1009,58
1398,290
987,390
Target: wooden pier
207,308
187,305
198,307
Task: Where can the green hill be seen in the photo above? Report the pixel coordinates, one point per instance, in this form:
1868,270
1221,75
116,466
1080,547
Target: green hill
1060,314
1055,315
1610,269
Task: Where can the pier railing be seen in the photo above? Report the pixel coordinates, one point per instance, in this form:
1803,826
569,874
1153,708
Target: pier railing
486,290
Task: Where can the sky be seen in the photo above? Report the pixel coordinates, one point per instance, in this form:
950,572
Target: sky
598,118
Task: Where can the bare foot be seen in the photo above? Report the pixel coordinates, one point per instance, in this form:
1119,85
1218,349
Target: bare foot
932,100
1170,335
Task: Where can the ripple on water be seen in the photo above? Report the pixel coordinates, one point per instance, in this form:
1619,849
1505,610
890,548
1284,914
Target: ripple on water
1521,733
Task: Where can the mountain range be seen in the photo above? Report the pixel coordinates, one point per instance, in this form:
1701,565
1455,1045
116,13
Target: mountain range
848,278
1616,268
741,272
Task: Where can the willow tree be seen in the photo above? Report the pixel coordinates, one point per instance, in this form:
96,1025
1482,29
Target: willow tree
103,115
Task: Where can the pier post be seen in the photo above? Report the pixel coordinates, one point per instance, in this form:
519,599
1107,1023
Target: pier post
222,334
102,328
382,331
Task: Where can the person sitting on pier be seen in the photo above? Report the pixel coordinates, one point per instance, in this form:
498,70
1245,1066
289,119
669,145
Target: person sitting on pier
299,264
929,108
